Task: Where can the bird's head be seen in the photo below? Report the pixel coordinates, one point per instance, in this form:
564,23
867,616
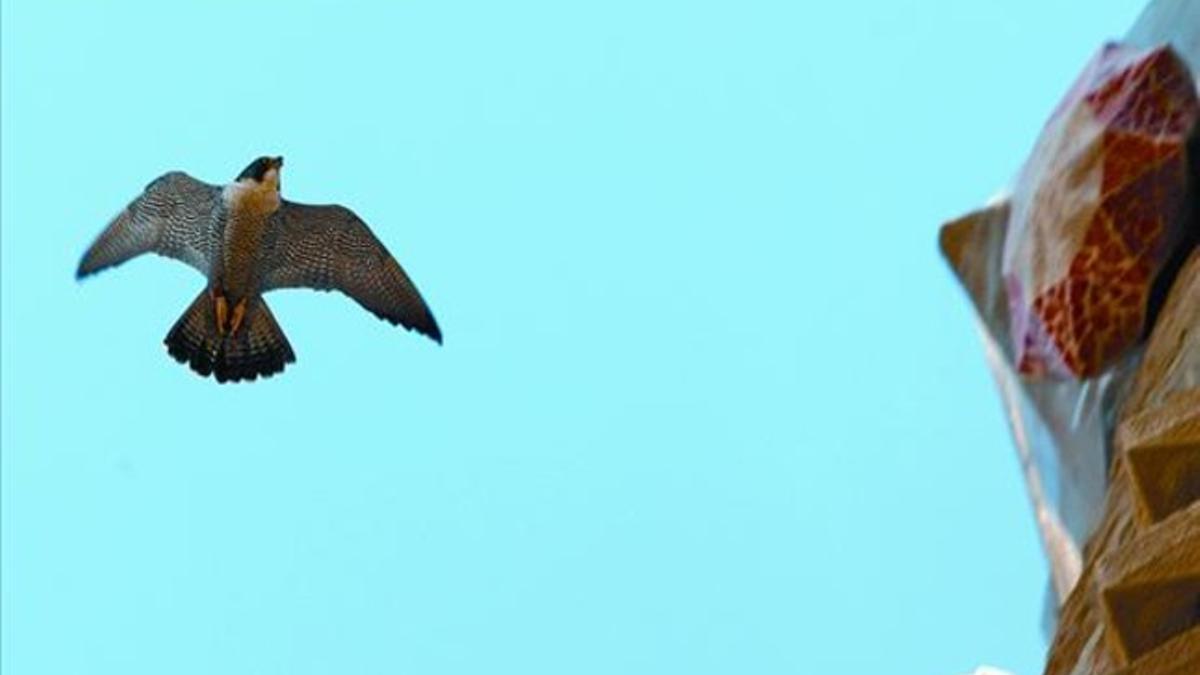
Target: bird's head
263,171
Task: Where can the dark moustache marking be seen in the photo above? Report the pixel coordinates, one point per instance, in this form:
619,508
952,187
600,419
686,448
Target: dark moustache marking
256,170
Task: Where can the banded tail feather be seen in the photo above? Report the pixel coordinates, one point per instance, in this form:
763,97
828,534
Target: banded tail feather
257,348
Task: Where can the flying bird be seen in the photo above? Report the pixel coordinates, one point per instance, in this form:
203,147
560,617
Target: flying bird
247,240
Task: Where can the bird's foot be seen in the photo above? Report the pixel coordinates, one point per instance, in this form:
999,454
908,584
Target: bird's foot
221,307
239,313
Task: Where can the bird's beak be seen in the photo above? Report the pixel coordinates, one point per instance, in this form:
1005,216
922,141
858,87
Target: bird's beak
276,162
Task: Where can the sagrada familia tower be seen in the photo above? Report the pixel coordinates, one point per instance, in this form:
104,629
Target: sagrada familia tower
1085,277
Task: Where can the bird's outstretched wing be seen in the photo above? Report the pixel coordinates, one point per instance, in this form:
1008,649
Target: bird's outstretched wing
173,217
331,248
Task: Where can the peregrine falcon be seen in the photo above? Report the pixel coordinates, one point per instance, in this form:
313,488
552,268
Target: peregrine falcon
247,240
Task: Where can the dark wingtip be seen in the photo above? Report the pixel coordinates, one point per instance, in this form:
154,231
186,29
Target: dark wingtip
82,271
88,267
432,330
429,327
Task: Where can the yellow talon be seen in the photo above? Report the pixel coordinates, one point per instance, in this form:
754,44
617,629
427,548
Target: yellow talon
239,313
222,309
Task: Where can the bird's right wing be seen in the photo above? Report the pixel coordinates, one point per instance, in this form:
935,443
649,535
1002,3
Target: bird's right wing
331,248
173,217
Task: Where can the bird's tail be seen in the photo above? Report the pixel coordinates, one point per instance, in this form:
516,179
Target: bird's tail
257,348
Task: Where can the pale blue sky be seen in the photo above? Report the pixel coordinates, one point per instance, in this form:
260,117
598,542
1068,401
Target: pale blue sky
709,401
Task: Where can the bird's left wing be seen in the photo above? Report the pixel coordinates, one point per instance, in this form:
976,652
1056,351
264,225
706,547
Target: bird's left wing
328,248
173,217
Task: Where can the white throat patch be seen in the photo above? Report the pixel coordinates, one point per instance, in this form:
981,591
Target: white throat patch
251,196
